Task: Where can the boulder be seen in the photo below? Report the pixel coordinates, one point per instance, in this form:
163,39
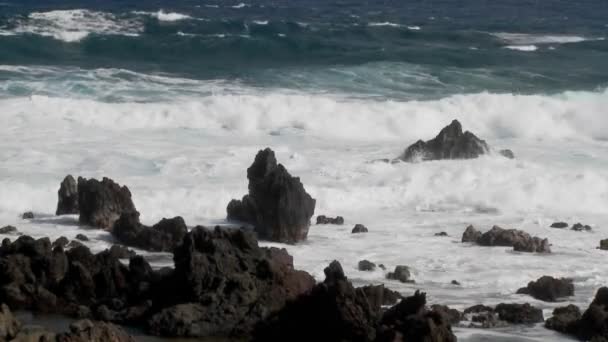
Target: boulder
564,319
507,153
410,320
366,265
322,219
549,289
378,296
471,234
401,273
559,225
580,227
593,325
519,313
450,143
441,234
82,237
165,236
68,197
9,325
102,203
277,205
359,228
28,215
8,230
61,241
452,316
482,316
519,240
604,244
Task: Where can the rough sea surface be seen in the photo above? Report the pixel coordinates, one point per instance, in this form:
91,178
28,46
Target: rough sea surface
174,98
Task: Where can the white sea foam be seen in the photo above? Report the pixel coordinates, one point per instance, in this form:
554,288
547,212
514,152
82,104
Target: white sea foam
161,15
240,5
414,28
75,25
533,39
386,23
525,48
260,22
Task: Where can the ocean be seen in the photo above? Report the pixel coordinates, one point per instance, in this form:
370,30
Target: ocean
174,99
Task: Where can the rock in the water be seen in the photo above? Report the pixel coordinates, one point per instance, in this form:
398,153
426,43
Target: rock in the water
519,240
519,313
8,230
68,197
441,234
165,236
277,205
61,241
359,228
9,325
471,235
87,331
410,320
564,319
82,237
455,282
452,316
366,265
549,289
580,227
322,219
482,316
593,325
378,296
560,225
28,215
507,154
604,244
102,203
401,273
451,143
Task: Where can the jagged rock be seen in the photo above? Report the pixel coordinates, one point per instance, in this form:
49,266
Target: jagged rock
68,197
378,296
452,316
580,227
451,143
549,289
519,240
9,325
564,319
87,331
519,313
277,205
593,325
560,225
102,203
82,237
28,215
8,230
366,265
166,235
410,320
322,219
181,320
507,154
333,311
482,316
401,273
604,244
61,241
359,228
471,235
35,333
441,234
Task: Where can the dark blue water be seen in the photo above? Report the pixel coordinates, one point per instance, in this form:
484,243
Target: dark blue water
410,49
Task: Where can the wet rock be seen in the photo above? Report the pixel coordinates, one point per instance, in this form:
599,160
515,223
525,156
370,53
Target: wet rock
333,311
86,331
180,320
451,143
27,215
549,289
68,197
165,236
604,244
564,319
121,252
580,227
519,313
366,265
61,241
455,282
382,267
359,228
401,273
482,316
593,325
507,154
102,203
277,205
559,225
82,237
452,316
322,219
441,234
378,296
74,244
410,320
9,325
471,235
8,230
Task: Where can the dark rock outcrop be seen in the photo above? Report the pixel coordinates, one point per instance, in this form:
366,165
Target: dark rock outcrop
519,313
549,289
378,296
277,205
165,236
581,227
322,219
451,143
102,203
8,230
401,273
452,316
593,325
28,215
61,241
68,197
359,228
564,319
519,240
366,265
559,225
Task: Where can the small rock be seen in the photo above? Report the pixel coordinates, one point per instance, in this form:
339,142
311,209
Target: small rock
401,273
507,153
455,282
519,313
359,228
604,244
559,225
580,227
441,234
366,265
82,237
8,230
471,234
549,289
382,267
27,215
322,219
61,241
